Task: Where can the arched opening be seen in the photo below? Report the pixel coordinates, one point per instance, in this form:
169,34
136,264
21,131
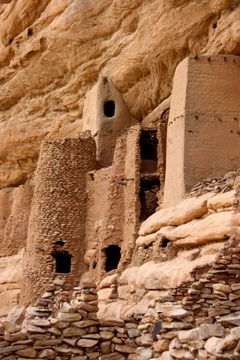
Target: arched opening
63,262
109,108
113,256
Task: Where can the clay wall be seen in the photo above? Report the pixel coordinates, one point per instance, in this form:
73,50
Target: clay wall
132,204
97,189
113,203
107,116
56,237
203,137
162,138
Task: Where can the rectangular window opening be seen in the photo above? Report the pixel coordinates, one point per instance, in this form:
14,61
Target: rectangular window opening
63,262
149,153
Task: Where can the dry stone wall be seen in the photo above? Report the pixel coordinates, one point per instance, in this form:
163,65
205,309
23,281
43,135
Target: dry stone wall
56,238
197,320
66,327
62,326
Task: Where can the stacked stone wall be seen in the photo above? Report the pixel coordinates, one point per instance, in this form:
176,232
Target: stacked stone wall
63,325
57,221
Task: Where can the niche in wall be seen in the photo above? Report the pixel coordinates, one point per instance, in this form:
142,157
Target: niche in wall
113,256
109,108
63,262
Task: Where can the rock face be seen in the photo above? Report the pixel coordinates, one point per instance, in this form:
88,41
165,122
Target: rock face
10,282
167,288
52,52
15,205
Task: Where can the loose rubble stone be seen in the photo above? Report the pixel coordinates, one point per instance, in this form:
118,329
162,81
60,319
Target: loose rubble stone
47,353
181,354
111,322
28,353
69,317
144,353
189,335
161,345
16,315
212,344
86,343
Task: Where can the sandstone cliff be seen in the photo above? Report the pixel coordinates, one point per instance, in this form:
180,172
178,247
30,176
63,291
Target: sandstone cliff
53,51
51,54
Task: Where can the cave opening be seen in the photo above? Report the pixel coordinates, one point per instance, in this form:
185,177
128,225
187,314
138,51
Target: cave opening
165,242
109,108
63,262
30,31
113,256
148,196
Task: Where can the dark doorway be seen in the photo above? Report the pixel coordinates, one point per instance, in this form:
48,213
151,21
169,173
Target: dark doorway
109,108
148,196
149,153
60,242
63,263
113,256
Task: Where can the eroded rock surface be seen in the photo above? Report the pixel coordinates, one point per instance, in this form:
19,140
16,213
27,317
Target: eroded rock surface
52,52
10,282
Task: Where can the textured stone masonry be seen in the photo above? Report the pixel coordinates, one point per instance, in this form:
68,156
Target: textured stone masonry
56,233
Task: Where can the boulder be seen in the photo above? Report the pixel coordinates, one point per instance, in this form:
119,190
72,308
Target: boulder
182,213
212,344
17,315
148,239
215,227
144,353
108,281
220,201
